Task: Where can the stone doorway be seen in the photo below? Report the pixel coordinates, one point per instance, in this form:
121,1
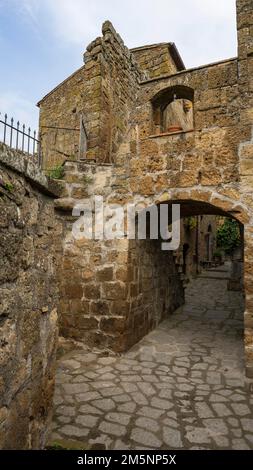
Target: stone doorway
158,287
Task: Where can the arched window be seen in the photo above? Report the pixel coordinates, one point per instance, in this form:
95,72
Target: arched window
173,110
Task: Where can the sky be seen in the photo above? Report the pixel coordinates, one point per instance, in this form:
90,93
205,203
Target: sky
42,41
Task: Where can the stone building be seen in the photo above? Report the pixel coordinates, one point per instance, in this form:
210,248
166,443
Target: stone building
136,126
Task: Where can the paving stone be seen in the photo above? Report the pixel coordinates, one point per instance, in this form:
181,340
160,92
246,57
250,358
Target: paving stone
146,438
129,387
218,398
203,410
147,423
107,360
148,378
171,423
101,386
249,437
129,407
166,394
86,409
233,422
131,378
87,420
69,399
198,436
120,445
240,409
147,389
160,403
104,369
121,418
86,357
108,376
79,379
70,364
239,444
139,398
221,441
111,391
180,370
247,424
184,387
75,388
112,428
74,431
66,410
105,404
64,419
55,436
58,401
215,426
171,414
172,438
91,375
213,378
84,397
236,432
121,398
225,392
150,412
122,367
62,378
221,410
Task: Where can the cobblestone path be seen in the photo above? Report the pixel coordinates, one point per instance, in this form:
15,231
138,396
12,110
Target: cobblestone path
182,386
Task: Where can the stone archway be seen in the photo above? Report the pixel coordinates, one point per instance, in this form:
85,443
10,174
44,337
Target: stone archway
158,290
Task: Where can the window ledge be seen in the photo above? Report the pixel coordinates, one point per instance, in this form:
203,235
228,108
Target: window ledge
165,134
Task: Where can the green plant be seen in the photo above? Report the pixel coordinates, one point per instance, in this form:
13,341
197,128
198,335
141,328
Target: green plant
228,236
190,222
9,187
217,254
66,444
56,173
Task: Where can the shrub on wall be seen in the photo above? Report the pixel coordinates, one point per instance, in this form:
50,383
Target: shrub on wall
228,236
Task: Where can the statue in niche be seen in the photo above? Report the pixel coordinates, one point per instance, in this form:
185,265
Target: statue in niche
178,115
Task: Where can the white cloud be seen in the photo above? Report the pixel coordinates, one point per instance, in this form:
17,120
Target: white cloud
20,108
204,30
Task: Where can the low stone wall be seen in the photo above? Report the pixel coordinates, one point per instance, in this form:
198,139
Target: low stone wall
30,243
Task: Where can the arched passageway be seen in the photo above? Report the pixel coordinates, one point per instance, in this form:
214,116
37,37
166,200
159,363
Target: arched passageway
160,278
183,385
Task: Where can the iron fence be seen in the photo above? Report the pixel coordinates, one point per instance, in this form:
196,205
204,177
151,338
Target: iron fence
20,138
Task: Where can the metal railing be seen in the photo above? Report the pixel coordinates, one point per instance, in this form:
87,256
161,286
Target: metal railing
20,138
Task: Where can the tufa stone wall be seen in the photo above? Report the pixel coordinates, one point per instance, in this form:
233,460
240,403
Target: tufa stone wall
157,60
245,84
30,242
102,91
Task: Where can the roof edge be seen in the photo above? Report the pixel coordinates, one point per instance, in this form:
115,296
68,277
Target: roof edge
176,56
172,48
59,85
